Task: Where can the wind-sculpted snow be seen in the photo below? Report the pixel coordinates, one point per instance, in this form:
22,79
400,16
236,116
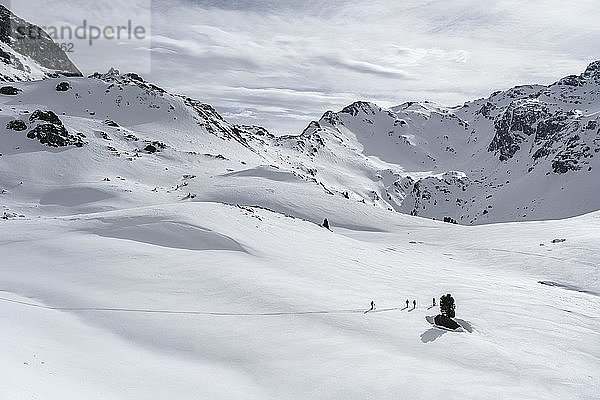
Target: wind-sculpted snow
152,302
171,234
265,172
74,196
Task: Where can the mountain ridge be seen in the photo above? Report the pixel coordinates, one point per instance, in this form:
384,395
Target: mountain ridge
417,158
519,154
555,124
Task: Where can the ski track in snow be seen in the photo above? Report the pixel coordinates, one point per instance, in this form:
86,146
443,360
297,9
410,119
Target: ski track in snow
217,314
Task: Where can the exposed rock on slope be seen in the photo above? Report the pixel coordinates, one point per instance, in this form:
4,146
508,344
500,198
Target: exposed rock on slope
48,129
29,57
518,154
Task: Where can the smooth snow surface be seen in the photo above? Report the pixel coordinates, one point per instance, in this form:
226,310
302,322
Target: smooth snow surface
205,300
173,234
74,196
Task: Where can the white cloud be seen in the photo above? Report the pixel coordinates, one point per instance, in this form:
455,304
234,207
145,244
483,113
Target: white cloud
283,63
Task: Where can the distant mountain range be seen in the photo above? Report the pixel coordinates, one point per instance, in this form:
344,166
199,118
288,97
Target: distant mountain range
530,152
527,153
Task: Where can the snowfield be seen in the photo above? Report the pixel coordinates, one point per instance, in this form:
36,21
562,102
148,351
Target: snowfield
149,249
205,300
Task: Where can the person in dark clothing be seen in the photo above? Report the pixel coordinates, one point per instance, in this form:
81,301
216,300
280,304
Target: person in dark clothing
406,303
434,301
414,304
372,305
326,223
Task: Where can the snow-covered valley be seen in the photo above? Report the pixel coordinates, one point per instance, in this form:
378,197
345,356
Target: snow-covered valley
204,300
150,249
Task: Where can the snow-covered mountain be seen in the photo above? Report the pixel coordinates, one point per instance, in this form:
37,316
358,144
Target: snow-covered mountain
530,152
526,153
150,249
28,53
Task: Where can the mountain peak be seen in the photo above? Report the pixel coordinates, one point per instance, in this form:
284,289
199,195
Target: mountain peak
592,70
360,106
25,58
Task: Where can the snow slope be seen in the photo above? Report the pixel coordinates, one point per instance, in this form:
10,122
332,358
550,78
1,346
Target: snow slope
205,300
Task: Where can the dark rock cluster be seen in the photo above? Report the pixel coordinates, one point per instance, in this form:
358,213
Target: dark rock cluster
9,91
154,147
592,71
559,136
54,136
518,121
17,125
111,123
63,87
45,116
572,156
47,128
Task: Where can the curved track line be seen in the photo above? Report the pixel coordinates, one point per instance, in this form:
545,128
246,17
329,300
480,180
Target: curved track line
189,312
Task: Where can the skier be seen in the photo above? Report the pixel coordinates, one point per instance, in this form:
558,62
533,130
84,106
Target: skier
406,303
372,307
326,224
434,302
414,304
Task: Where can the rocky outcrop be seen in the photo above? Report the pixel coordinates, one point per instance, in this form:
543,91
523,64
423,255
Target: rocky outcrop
549,124
63,87
360,107
572,157
9,91
213,122
47,128
513,126
16,125
154,147
116,79
45,116
54,136
592,71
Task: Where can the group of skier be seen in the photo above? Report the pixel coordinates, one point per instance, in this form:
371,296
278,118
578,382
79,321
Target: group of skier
414,302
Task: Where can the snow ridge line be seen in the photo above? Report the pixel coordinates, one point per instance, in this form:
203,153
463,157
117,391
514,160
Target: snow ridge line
216,314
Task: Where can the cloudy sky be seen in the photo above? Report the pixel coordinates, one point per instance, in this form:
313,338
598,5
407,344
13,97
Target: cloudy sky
283,63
